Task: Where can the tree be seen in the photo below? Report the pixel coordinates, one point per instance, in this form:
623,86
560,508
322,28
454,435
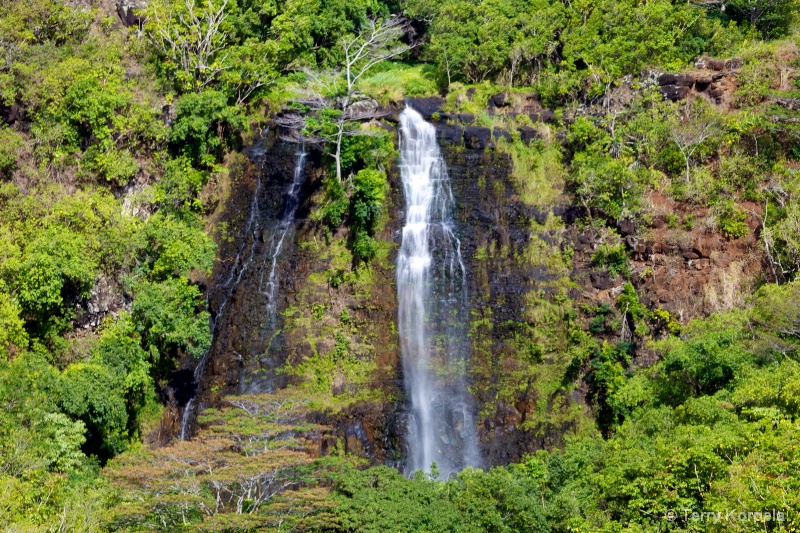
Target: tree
334,103
205,125
692,125
166,316
200,47
13,336
772,18
191,37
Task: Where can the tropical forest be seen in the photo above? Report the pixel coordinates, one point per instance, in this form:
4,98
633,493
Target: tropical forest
400,266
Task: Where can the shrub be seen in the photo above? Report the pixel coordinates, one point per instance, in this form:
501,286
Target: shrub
10,145
731,220
614,257
205,126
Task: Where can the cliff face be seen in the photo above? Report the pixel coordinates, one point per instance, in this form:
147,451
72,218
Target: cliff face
333,337
326,311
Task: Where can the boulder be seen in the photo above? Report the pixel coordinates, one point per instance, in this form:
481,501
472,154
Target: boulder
499,100
681,80
129,12
542,116
476,137
426,105
466,118
528,134
667,79
674,92
366,108
501,134
449,133
626,226
718,64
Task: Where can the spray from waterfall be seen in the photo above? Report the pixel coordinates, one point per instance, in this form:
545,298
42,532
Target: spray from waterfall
433,310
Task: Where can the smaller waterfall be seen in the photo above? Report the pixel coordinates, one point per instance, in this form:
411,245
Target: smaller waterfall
433,310
241,264
187,415
282,230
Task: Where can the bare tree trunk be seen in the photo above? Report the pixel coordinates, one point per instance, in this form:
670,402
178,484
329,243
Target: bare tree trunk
338,156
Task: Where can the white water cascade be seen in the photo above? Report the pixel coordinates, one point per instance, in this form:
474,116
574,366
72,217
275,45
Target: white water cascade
433,310
285,223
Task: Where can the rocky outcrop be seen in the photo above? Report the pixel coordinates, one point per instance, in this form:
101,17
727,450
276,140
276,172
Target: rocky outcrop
458,128
710,79
130,12
686,273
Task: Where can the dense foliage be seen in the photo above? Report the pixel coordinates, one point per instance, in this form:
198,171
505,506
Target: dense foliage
113,144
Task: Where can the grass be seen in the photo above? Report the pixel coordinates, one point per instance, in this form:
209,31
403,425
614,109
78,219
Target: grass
396,81
537,171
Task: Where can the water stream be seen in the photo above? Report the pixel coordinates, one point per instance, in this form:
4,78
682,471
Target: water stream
285,224
433,310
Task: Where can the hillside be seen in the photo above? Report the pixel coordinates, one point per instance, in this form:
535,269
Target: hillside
497,265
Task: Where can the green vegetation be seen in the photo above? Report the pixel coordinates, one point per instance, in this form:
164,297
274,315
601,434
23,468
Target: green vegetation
711,427
113,141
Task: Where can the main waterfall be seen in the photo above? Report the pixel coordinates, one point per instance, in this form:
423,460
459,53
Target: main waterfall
433,310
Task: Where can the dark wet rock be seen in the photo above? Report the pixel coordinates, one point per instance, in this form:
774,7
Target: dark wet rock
528,134
702,86
499,100
477,137
426,105
393,111
674,92
466,118
129,12
542,116
668,79
450,133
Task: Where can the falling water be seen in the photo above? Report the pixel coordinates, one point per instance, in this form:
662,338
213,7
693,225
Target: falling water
433,310
187,414
241,264
279,235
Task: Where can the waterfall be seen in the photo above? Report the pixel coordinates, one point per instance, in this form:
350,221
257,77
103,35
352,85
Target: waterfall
433,310
187,414
279,235
241,264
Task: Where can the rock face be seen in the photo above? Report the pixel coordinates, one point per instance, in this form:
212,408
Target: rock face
507,246
457,128
712,79
315,303
129,12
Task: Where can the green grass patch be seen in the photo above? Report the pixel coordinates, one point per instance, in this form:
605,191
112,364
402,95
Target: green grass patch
537,171
400,80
